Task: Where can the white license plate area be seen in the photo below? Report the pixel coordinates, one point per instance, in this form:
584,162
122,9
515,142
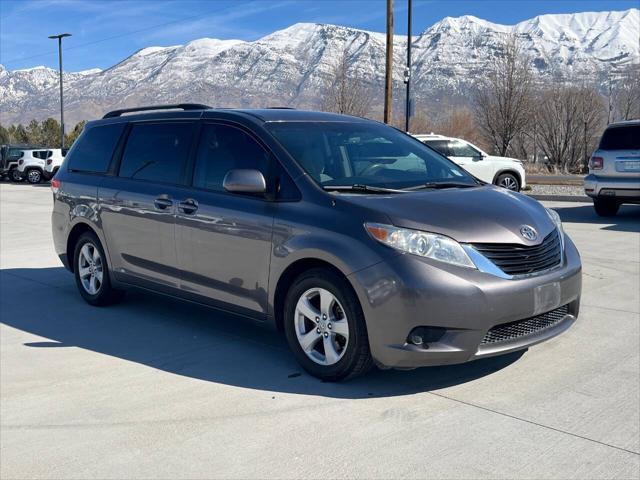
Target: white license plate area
546,297
628,165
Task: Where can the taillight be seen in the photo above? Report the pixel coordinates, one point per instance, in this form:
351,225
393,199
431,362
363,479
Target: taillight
49,161
596,163
55,185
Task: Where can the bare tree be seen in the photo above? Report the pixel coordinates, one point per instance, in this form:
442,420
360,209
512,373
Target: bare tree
345,93
502,103
626,92
569,121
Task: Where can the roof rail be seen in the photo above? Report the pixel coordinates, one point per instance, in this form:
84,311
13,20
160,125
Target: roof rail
281,108
182,106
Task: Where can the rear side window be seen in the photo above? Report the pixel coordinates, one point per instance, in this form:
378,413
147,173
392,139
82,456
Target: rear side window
223,148
621,138
92,152
157,152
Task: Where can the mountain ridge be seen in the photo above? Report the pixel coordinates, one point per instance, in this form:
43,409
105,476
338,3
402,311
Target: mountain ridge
293,66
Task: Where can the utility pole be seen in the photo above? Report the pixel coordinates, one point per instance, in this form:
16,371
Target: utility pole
609,105
60,37
388,79
407,72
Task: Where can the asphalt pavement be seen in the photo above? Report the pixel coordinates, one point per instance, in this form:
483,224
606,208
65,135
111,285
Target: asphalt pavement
156,388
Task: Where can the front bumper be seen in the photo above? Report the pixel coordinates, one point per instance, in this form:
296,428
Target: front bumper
622,188
409,292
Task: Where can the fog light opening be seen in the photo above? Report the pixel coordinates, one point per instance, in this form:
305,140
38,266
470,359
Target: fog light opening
423,336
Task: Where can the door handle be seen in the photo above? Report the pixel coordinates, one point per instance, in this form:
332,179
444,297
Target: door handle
162,203
188,206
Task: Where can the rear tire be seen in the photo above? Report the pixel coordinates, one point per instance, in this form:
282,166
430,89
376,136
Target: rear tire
92,272
606,207
33,176
338,345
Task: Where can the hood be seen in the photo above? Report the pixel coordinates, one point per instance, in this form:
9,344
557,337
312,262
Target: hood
494,158
469,215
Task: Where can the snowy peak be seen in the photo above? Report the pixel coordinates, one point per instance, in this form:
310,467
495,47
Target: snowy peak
294,66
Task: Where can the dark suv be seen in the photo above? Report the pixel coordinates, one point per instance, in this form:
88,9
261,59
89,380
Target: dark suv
359,242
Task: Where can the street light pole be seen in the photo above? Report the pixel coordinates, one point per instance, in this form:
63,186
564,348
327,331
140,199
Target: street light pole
60,37
407,72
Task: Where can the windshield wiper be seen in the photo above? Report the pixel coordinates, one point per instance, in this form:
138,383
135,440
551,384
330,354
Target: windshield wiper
358,187
438,185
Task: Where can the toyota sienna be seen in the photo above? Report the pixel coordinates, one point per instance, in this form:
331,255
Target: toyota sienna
363,245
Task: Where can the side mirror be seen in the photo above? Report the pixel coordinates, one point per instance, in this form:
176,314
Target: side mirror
244,181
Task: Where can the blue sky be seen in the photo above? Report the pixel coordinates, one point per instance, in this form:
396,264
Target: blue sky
106,31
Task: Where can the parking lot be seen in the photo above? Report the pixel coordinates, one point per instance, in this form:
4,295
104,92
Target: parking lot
155,388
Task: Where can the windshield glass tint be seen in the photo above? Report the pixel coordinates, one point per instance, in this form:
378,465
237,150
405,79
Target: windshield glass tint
341,153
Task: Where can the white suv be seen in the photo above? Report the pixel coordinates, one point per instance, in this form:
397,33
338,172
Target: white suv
502,171
33,164
614,168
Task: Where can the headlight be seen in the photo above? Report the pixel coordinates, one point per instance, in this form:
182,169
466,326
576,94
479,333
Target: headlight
423,244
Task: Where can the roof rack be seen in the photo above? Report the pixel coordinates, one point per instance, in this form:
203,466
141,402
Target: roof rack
182,106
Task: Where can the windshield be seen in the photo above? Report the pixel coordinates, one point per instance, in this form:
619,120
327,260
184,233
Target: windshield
341,153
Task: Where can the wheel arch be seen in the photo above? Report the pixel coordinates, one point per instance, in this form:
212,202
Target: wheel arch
75,233
287,278
513,172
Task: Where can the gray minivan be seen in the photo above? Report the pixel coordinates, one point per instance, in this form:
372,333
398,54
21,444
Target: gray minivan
360,243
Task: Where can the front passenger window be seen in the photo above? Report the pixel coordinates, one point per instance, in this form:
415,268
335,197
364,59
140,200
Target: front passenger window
223,148
462,149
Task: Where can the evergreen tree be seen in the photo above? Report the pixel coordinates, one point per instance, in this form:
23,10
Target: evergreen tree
4,135
34,133
19,134
50,133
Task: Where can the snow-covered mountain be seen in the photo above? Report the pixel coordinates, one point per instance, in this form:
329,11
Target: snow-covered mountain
293,66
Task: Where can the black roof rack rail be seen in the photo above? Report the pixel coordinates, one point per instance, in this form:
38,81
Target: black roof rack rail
182,106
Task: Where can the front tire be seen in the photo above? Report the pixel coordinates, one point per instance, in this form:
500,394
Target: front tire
606,207
325,326
92,272
34,176
508,181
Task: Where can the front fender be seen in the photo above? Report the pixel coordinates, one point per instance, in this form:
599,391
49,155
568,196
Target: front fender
346,253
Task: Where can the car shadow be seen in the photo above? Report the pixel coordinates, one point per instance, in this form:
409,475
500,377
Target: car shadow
194,341
627,219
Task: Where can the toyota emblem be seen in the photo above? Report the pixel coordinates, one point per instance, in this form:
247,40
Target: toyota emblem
528,233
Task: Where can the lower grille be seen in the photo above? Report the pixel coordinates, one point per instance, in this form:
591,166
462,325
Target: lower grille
521,328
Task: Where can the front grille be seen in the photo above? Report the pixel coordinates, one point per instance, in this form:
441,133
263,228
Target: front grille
515,259
514,330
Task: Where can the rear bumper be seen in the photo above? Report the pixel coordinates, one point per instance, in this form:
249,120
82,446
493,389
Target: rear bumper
464,304
622,188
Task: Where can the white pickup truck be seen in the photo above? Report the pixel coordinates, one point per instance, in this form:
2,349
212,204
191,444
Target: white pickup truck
36,165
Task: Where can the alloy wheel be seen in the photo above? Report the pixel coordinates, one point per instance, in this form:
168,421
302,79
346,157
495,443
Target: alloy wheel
509,183
90,268
34,176
321,326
